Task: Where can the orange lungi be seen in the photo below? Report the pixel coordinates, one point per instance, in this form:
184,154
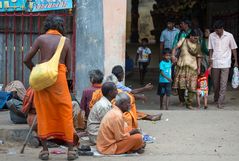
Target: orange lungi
54,110
130,144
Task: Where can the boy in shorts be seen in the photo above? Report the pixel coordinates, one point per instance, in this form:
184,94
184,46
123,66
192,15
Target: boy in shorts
143,57
202,86
165,78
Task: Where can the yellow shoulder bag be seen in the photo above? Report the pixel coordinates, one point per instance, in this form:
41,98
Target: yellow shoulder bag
45,74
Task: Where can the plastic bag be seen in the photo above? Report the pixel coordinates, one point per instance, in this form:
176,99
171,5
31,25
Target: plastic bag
235,78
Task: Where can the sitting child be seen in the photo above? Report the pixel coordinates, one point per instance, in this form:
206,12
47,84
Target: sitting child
165,78
202,86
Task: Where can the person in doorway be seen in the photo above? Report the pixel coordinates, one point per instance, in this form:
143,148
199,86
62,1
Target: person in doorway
221,46
188,67
143,58
112,137
165,78
53,104
99,110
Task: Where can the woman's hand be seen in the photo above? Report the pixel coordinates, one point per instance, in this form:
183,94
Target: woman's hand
174,59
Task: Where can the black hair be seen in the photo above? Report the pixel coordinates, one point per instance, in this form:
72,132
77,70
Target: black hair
107,87
194,32
117,71
55,23
218,24
171,19
145,40
188,22
96,76
167,50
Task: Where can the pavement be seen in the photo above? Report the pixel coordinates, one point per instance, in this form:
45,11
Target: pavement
199,135
182,134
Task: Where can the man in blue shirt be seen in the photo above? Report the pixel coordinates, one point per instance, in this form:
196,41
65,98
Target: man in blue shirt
165,78
168,35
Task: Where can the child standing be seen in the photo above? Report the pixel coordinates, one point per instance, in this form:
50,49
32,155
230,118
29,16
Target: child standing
165,78
202,86
143,57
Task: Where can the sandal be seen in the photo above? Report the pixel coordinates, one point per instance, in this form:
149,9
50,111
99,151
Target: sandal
72,155
44,155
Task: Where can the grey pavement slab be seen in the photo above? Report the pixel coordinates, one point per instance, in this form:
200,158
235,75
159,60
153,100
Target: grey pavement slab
199,135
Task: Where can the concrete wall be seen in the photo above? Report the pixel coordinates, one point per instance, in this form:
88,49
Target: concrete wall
114,33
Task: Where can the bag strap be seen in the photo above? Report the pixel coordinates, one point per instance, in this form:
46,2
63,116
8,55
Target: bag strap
60,46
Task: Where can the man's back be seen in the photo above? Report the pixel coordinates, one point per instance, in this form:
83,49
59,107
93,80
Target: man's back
48,44
96,115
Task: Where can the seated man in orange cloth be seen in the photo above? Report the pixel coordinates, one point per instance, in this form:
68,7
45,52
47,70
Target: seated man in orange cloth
112,138
53,104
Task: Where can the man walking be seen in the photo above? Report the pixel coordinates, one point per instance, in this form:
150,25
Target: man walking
168,35
221,45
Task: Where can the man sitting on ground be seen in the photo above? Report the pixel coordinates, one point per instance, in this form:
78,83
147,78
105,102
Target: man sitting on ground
100,109
112,138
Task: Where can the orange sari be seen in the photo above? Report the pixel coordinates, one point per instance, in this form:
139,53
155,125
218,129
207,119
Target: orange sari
54,110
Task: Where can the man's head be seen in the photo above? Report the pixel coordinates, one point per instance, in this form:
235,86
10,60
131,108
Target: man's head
170,23
118,71
54,22
185,24
144,42
219,27
111,78
167,54
96,76
109,90
122,101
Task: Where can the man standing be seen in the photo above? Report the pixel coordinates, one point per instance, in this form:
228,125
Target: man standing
185,26
112,137
168,35
99,110
53,104
221,46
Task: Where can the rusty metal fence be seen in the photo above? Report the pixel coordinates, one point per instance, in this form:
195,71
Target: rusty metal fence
18,31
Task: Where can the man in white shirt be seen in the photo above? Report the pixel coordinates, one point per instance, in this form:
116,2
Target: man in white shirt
99,110
221,46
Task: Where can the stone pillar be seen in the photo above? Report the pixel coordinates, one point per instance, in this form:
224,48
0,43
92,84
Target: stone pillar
100,38
89,41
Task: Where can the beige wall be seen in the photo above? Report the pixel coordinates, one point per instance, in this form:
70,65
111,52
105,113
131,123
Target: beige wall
114,33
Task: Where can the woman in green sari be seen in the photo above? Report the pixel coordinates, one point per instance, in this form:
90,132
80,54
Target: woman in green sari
188,66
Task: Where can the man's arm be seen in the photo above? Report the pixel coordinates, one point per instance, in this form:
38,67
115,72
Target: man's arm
234,52
68,58
32,52
169,79
147,87
210,57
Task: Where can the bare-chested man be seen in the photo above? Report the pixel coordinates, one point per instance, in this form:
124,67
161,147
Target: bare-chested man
53,104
